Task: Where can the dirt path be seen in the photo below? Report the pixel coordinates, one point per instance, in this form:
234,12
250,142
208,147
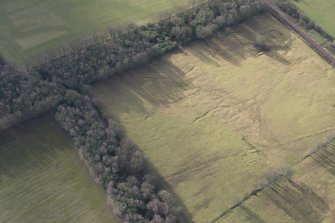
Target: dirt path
282,17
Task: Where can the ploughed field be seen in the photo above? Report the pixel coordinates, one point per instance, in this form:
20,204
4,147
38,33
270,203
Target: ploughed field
217,115
320,11
28,28
43,180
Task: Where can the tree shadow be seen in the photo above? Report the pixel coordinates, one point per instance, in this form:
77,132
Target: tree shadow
277,57
33,144
161,83
142,90
297,200
325,157
163,184
252,216
237,43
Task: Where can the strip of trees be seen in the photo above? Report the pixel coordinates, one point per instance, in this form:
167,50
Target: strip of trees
116,164
131,46
22,95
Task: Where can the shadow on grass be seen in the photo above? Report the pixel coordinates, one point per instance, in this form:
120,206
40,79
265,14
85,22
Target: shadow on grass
236,43
142,90
33,144
325,157
297,200
162,83
252,216
161,182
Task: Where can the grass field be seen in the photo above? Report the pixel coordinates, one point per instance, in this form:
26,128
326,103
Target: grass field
30,27
320,11
307,197
42,179
215,116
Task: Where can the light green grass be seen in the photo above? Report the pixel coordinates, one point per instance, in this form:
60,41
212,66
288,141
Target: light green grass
320,11
30,27
42,179
215,116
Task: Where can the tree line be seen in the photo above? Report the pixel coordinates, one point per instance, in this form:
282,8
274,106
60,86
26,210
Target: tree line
40,86
116,164
23,95
131,46
301,18
114,161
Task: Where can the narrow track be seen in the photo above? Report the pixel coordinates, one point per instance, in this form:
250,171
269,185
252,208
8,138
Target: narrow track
282,17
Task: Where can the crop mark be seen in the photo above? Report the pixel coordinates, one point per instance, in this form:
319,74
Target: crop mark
202,116
207,164
301,138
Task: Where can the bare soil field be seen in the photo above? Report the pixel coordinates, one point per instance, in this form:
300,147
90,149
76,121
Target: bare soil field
215,116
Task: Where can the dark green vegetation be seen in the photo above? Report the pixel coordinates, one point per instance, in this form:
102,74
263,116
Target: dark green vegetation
28,28
42,179
23,95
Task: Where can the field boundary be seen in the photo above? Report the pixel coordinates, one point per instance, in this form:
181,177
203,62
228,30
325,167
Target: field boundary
283,18
274,178
95,38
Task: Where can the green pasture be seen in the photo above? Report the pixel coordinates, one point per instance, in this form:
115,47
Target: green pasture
43,180
28,28
320,11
